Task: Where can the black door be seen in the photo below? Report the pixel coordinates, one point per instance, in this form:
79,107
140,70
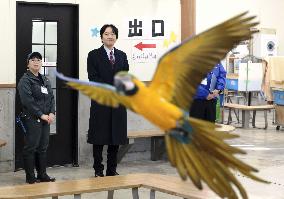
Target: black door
52,30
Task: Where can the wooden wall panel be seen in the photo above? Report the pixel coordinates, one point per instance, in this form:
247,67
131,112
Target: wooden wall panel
7,85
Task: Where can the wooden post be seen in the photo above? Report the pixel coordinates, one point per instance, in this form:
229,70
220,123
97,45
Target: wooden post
110,194
77,196
152,194
135,193
188,18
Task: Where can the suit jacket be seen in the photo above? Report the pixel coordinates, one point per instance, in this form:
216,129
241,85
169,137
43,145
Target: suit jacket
107,125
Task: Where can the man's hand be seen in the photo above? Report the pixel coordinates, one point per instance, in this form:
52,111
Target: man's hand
45,118
216,93
51,117
210,96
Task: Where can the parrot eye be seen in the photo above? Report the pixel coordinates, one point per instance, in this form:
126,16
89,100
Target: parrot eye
124,85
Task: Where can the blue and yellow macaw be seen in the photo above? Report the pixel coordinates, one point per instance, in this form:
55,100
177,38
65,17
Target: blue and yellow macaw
194,146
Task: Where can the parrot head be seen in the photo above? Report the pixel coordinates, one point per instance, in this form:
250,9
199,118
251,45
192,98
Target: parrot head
124,83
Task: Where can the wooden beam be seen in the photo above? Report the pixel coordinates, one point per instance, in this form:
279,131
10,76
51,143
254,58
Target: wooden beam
188,18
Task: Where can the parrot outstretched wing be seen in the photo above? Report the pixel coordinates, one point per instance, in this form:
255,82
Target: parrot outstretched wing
180,71
103,94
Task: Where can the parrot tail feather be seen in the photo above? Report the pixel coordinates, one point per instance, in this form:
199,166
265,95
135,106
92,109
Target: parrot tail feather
205,156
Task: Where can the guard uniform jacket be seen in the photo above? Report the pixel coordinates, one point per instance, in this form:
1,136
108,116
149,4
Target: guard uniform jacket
35,100
206,86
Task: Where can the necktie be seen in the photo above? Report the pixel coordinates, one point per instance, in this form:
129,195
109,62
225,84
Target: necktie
111,58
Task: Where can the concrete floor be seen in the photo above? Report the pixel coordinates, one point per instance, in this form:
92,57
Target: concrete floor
265,151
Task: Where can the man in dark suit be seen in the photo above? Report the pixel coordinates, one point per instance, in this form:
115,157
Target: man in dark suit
107,126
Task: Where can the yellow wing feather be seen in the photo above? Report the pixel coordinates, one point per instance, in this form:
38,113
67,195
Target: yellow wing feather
98,94
181,70
103,94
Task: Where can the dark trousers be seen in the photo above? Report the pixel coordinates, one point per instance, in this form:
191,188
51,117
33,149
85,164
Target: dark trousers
111,158
36,143
204,109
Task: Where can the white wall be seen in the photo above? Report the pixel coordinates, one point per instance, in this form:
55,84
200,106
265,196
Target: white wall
7,42
269,14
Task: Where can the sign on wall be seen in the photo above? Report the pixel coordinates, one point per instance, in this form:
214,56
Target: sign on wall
149,39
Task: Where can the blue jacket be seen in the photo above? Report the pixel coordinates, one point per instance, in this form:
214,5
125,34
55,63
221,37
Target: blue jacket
215,79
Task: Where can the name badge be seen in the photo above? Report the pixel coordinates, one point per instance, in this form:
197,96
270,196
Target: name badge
44,90
204,81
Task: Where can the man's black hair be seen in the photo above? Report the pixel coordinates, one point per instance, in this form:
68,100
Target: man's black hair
114,30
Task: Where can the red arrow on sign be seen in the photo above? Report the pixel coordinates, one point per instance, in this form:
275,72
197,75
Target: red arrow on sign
140,46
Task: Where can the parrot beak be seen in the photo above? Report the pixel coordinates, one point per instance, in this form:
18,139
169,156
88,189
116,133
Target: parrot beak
124,85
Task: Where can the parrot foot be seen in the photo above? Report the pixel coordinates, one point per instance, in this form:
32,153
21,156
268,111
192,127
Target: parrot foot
180,135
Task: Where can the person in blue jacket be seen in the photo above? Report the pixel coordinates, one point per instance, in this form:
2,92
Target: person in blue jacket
205,99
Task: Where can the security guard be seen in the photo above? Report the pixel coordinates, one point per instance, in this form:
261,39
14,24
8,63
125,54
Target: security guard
205,99
38,111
